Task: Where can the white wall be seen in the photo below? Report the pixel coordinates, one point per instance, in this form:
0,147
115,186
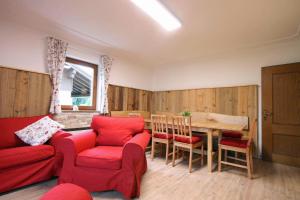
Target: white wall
25,48
232,69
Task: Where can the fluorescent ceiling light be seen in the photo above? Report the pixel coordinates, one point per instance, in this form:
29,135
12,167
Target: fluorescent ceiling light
159,13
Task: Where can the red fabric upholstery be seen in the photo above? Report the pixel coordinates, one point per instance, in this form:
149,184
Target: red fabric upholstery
232,134
123,126
234,142
113,137
126,179
22,165
67,191
8,127
195,139
104,157
12,157
163,136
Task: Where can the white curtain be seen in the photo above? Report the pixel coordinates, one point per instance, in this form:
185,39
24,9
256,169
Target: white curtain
55,60
105,67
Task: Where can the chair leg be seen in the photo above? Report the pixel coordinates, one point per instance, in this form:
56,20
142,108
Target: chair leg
220,159
251,160
191,159
173,157
152,150
167,152
225,155
248,164
202,155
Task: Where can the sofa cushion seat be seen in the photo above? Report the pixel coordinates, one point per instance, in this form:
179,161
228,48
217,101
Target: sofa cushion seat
103,157
12,157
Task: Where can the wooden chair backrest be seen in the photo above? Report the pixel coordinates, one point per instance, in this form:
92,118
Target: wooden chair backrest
159,124
182,126
253,128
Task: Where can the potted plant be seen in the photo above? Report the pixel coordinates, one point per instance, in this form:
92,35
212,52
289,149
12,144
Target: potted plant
186,115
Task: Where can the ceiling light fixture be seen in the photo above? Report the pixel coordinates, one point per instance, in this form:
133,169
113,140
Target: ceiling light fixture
159,13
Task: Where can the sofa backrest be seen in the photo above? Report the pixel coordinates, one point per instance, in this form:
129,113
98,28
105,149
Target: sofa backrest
133,124
8,127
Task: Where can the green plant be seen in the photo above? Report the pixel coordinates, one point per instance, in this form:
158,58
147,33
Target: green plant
186,113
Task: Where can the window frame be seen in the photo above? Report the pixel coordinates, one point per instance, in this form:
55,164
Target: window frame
95,84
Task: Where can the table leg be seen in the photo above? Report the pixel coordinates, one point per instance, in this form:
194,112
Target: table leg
209,150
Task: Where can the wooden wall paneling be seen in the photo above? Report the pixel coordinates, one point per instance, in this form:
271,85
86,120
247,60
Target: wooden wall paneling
22,93
39,94
7,92
26,93
128,99
224,100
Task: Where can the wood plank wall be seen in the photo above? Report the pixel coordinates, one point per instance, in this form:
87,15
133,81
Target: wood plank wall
23,93
124,98
240,100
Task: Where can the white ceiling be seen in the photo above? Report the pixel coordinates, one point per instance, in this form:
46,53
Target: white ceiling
117,26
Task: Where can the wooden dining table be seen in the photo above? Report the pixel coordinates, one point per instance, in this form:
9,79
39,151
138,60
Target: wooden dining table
209,127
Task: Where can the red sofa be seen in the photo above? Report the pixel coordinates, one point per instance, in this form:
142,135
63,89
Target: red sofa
111,156
21,164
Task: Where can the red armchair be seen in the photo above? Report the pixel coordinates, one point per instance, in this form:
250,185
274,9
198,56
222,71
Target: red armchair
21,164
111,156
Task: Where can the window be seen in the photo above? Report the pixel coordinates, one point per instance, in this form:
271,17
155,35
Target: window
79,85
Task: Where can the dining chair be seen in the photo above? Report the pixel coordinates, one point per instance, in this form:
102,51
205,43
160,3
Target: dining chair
184,140
160,134
239,145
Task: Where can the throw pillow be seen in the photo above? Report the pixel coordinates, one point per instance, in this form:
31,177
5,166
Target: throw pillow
39,132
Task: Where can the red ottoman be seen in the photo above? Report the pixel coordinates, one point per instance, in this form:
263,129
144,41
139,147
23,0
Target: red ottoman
67,191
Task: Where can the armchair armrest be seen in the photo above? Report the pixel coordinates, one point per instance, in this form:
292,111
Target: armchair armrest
72,145
134,150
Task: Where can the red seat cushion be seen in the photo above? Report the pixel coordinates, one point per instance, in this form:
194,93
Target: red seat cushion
67,191
163,136
234,142
232,134
24,155
195,139
122,127
8,127
104,157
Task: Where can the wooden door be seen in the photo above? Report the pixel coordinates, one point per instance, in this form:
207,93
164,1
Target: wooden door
281,113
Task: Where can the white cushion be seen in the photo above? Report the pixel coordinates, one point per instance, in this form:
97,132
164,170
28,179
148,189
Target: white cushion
39,132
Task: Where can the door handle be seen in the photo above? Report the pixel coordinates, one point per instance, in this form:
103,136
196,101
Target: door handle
267,114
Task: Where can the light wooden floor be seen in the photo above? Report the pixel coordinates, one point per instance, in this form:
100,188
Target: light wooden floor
271,181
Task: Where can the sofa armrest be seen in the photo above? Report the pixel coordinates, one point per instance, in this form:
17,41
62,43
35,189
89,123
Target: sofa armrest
58,136
134,150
